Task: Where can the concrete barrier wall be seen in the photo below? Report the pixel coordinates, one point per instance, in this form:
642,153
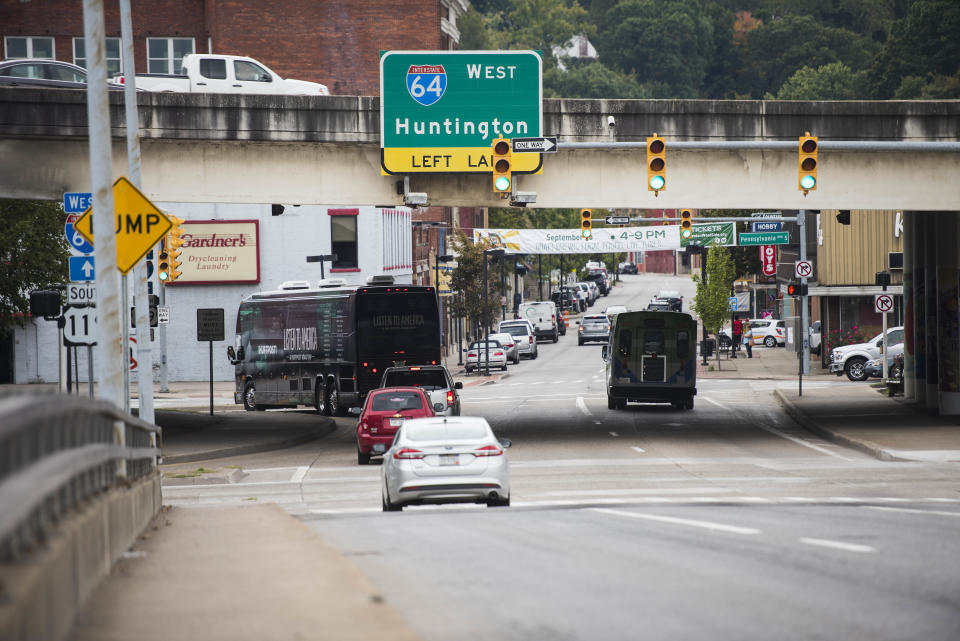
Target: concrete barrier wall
41,595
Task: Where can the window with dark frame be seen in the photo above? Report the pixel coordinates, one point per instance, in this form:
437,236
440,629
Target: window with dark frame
343,238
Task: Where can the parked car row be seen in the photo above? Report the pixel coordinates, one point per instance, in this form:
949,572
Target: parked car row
852,360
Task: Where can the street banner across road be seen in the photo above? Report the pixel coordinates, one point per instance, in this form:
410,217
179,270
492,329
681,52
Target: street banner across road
441,110
570,241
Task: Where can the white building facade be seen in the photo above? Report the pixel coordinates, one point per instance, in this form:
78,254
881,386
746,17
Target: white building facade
230,252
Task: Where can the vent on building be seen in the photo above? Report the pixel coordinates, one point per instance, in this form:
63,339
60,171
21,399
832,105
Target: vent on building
894,260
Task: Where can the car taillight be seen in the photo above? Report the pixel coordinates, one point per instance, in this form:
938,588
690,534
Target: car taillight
471,354
408,453
498,353
450,398
363,427
530,338
488,450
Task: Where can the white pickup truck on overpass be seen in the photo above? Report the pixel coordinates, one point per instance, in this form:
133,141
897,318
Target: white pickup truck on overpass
208,73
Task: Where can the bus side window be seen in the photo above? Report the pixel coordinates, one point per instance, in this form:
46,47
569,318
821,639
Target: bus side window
683,345
625,342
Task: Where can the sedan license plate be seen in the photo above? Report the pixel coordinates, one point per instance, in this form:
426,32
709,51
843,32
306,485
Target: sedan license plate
396,422
449,459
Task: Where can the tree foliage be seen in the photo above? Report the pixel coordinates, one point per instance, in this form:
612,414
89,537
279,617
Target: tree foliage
33,255
835,81
467,281
710,302
784,49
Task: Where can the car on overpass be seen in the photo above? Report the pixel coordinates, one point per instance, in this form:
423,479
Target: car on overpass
50,74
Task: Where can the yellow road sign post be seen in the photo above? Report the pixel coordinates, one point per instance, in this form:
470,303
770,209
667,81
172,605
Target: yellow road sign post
139,224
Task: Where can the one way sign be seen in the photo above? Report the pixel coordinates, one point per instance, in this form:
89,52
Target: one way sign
535,145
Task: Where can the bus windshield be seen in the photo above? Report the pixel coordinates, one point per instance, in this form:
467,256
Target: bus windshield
391,324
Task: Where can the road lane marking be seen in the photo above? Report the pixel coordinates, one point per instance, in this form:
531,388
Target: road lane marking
912,510
720,405
614,434
299,475
717,527
583,406
838,545
800,441
642,451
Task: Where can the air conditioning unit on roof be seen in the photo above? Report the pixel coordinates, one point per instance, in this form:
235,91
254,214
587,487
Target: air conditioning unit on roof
331,282
295,284
380,279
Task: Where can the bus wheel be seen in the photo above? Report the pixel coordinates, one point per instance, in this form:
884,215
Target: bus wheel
688,403
320,399
333,400
611,403
250,398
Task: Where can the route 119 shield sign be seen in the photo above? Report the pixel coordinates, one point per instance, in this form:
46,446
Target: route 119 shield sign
426,83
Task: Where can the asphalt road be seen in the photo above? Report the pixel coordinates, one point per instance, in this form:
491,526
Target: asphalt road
727,521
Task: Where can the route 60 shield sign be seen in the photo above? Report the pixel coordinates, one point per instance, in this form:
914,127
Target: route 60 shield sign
426,83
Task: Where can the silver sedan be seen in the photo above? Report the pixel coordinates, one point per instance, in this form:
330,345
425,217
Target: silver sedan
445,459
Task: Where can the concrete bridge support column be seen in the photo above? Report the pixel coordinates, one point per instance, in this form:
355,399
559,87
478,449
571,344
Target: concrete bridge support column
920,307
948,312
909,304
930,315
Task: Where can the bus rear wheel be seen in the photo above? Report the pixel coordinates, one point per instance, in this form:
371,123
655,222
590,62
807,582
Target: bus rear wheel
250,399
320,399
333,400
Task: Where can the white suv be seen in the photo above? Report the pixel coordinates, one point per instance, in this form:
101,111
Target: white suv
523,331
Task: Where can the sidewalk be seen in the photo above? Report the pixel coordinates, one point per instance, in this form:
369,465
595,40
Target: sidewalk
859,416
235,574
767,363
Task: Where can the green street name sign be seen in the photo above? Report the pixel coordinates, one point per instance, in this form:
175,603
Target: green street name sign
441,110
710,234
766,238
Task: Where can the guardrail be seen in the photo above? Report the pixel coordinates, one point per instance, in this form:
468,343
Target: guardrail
57,451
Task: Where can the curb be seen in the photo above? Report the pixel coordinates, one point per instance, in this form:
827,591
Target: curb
323,429
867,447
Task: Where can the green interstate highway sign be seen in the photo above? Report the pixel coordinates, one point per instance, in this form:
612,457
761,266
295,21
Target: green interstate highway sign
441,110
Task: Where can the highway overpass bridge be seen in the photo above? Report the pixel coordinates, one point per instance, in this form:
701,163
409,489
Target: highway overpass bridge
325,150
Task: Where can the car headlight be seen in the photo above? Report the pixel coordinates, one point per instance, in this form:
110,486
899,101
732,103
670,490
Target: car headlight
874,363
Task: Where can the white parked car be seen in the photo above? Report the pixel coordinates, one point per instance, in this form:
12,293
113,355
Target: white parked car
510,345
524,333
455,459
477,356
852,359
768,331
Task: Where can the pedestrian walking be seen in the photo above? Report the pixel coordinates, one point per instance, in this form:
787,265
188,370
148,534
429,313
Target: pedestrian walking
737,337
748,339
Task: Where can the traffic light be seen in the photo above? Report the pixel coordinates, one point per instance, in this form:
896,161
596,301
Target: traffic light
807,163
163,263
586,224
796,288
686,224
173,247
656,164
502,163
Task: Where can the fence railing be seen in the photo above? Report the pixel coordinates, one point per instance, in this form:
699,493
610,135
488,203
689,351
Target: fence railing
57,451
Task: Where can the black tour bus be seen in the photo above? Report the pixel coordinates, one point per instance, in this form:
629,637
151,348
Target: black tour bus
327,347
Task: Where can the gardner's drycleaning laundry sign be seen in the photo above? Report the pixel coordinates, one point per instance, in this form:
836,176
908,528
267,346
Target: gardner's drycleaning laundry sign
571,241
441,110
220,251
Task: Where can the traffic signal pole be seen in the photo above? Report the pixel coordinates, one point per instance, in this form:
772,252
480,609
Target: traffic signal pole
804,312
140,272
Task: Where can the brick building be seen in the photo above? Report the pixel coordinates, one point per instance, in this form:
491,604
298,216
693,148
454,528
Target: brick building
334,42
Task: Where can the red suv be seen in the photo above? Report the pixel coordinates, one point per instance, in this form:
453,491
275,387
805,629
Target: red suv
384,411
